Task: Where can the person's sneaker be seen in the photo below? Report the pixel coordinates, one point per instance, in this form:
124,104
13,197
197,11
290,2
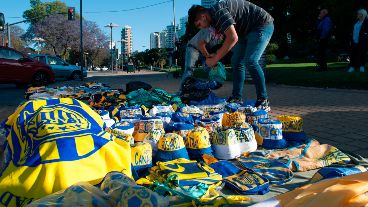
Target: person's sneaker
362,69
351,69
234,100
263,104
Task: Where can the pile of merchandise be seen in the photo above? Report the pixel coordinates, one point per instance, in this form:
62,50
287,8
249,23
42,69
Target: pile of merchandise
96,146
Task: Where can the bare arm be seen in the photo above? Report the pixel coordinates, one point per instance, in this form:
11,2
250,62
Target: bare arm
231,38
202,48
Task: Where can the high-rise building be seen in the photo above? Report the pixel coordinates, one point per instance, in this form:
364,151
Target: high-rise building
182,26
163,37
127,42
155,40
208,3
171,36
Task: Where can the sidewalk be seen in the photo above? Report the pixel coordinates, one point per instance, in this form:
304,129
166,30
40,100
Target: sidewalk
334,116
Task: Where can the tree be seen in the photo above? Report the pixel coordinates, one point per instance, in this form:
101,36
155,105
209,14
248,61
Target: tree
18,42
40,10
59,34
95,42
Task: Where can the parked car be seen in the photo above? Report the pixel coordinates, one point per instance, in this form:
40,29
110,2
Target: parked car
18,68
104,68
61,68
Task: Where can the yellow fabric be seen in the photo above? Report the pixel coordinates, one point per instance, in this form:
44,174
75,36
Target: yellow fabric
178,167
349,191
259,138
198,138
209,159
141,154
214,198
121,135
231,120
171,142
311,157
40,165
291,123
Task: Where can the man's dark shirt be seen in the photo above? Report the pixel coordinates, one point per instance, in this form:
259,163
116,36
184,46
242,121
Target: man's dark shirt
244,15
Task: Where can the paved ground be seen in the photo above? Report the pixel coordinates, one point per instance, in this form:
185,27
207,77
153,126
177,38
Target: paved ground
334,116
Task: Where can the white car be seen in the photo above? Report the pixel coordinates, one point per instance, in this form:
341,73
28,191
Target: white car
104,68
97,68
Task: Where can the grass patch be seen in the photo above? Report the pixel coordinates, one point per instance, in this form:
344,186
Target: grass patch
304,74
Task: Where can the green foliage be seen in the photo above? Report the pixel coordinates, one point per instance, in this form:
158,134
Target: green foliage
40,10
299,19
155,57
271,49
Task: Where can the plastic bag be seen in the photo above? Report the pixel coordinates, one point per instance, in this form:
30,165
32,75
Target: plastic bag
81,194
218,73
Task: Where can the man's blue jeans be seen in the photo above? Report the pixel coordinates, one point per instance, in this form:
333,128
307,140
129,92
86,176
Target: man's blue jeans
246,54
192,55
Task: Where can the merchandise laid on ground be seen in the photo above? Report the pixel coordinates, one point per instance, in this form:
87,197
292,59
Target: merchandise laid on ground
96,146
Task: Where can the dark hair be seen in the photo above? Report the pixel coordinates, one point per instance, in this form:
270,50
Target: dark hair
194,11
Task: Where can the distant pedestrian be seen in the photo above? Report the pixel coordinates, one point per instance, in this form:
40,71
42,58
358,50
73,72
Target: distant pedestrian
359,42
248,29
324,27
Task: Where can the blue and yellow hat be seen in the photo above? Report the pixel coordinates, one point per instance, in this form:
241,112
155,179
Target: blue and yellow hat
246,139
252,118
232,107
198,143
292,128
170,147
209,109
192,110
233,120
165,117
124,127
132,120
152,138
181,117
271,132
121,136
130,111
145,126
225,144
106,118
211,124
141,154
218,115
161,108
180,128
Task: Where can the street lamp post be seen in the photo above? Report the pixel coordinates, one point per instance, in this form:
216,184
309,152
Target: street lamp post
85,60
111,25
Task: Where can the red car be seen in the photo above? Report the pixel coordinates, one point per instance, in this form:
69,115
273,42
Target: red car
22,70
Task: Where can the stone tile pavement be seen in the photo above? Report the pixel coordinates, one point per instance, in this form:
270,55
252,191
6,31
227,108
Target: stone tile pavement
334,116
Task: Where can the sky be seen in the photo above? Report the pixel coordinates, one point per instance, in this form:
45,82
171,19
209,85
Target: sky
143,21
